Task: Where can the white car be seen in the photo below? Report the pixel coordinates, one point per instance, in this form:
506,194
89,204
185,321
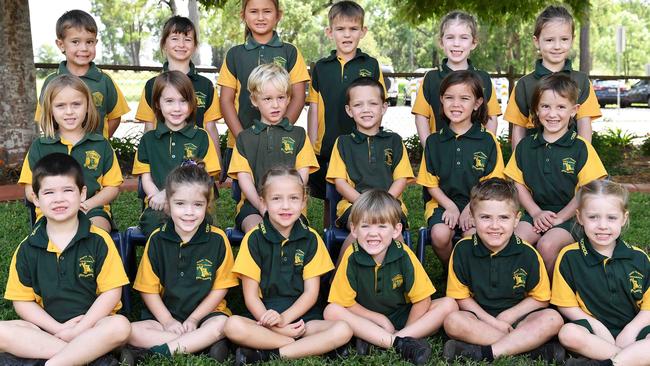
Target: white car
391,86
411,90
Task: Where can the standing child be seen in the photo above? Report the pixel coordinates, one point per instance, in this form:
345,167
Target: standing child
172,142
501,286
68,122
601,284
185,273
458,37
76,37
270,141
553,38
280,263
456,158
549,166
380,288
65,278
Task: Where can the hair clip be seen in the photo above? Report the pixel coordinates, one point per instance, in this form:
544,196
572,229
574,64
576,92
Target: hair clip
188,162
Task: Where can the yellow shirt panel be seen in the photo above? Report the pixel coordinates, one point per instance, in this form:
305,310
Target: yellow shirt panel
512,170
341,292
112,274
140,167
493,107
313,95
144,111
337,168
593,168
112,178
306,157
25,172
213,112
562,294
146,280
513,114
425,178
497,172
226,78
245,265
403,168
211,160
225,276
299,71
422,286
590,107
238,164
542,291
121,106
321,263
455,289
15,290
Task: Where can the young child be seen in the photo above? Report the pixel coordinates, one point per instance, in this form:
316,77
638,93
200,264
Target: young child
76,37
178,43
380,288
272,140
172,142
369,157
601,284
68,122
330,77
501,285
549,166
553,38
262,46
280,263
65,278
458,37
185,273
456,158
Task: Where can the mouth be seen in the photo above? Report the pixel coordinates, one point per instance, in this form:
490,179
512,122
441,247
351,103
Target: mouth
59,209
456,53
603,237
285,215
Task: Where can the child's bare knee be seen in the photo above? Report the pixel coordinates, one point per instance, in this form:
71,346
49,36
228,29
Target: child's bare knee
342,330
119,328
234,327
333,312
571,336
444,305
216,325
455,324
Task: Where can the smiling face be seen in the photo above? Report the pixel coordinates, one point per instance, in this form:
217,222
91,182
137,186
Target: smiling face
602,218
366,108
495,222
69,109
187,207
174,108
555,112
179,47
554,43
346,33
284,199
59,198
261,17
457,43
458,104
375,238
78,45
271,102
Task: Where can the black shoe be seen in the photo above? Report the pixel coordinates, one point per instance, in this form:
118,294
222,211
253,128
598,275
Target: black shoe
7,359
219,350
105,360
414,350
246,356
138,354
581,361
454,348
125,356
341,352
362,347
551,352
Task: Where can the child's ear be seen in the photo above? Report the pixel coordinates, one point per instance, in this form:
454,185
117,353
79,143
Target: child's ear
347,110
517,218
253,101
536,43
397,231
578,217
34,197
352,232
478,103
364,30
59,44
84,191
328,33
384,108
574,110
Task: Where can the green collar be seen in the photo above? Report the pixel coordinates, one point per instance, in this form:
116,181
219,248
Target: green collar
513,247
39,239
394,253
360,137
541,70
271,234
191,74
57,138
259,126
622,251
252,44
566,140
202,235
93,72
188,131
444,70
474,132
358,54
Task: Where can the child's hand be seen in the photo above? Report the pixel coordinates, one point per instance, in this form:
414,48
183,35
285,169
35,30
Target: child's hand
190,324
386,324
174,326
157,201
293,330
270,318
465,220
68,334
543,221
83,207
501,325
71,322
450,217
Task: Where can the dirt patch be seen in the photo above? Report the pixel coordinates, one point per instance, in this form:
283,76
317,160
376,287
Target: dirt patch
640,171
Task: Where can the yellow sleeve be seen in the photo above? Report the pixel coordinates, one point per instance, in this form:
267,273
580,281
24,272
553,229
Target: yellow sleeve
403,168
25,172
420,105
211,160
493,107
146,280
225,276
497,172
455,289
213,112
226,78
113,178
336,168
513,114
425,178
245,264
381,81
112,273
321,263
298,72
341,292
140,167
313,95
590,108
144,111
512,170
306,157
542,291
645,301
121,106
422,286
562,294
15,289
238,164
38,113
593,168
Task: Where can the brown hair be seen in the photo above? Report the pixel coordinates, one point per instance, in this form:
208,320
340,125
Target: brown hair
553,13
602,187
57,164
75,19
558,83
346,9
48,124
375,206
189,172
178,24
182,84
280,171
244,3
364,81
460,17
494,189
472,80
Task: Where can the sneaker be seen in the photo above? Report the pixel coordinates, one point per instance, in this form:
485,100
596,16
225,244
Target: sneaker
219,350
125,356
362,347
581,361
341,352
551,352
417,351
7,359
454,348
245,356
105,360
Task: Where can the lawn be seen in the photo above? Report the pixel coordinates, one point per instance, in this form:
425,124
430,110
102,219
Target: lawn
14,227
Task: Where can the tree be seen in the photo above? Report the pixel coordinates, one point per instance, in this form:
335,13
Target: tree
47,54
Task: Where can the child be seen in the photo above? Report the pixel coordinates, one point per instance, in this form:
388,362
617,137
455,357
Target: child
458,37
175,140
501,285
456,158
549,166
553,38
262,45
280,263
178,43
601,284
76,37
369,157
68,122
380,288
183,286
330,77
65,278
270,141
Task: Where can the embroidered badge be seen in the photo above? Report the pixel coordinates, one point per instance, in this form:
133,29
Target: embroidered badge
200,99
365,73
190,150
480,160
568,165
519,276
92,160
280,61
204,270
299,258
98,99
388,156
288,145
635,282
87,266
397,281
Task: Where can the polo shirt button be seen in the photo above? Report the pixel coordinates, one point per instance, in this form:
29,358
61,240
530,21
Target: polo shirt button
547,160
61,257
182,273
262,47
173,144
284,259
173,156
458,149
458,163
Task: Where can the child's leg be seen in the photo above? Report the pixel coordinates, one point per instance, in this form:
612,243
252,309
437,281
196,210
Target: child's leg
24,339
638,353
550,244
362,328
430,321
526,232
578,339
533,331
441,236
101,223
247,333
149,333
465,326
250,222
321,336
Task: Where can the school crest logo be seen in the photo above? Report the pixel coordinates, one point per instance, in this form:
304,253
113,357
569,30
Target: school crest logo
519,277
635,282
92,160
200,99
204,270
98,99
397,280
87,266
388,157
190,150
365,73
568,166
480,160
280,61
288,145
299,258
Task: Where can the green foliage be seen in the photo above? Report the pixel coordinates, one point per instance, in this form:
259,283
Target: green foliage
47,53
645,146
613,147
506,147
125,149
414,149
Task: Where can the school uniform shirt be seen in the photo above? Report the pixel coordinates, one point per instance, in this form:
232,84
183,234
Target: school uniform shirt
553,172
456,163
497,281
427,101
612,290
65,283
184,273
381,287
240,62
330,79
518,109
107,96
207,100
367,162
93,152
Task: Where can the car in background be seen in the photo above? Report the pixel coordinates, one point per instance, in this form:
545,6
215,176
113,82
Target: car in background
411,90
638,93
392,89
606,92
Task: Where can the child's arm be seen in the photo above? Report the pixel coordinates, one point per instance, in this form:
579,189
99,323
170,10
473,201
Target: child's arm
375,317
518,134
576,313
346,190
250,290
305,302
492,124
469,304
304,174
158,309
247,187
103,197
584,128
542,220
32,312
113,124
418,309
452,213
227,104
156,197
206,306
629,333
397,187
101,308
29,192
524,307
422,126
297,101
211,129
566,213
312,122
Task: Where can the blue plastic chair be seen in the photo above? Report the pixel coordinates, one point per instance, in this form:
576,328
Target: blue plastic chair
235,236
425,239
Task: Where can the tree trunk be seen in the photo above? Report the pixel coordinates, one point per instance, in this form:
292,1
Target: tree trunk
17,77
193,7
585,59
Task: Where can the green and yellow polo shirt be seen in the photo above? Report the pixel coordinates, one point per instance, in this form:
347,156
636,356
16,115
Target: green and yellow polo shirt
240,62
553,172
330,79
107,96
281,265
207,100
93,152
367,162
184,273
497,281
519,105
161,150
456,163
381,287
65,283
612,290
427,101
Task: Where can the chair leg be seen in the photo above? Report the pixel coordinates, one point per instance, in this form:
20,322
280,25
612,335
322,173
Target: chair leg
423,240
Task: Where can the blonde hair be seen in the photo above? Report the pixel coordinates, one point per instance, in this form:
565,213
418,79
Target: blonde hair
268,73
601,187
280,171
48,124
375,206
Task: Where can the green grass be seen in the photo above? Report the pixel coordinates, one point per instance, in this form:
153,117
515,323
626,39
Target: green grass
14,227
